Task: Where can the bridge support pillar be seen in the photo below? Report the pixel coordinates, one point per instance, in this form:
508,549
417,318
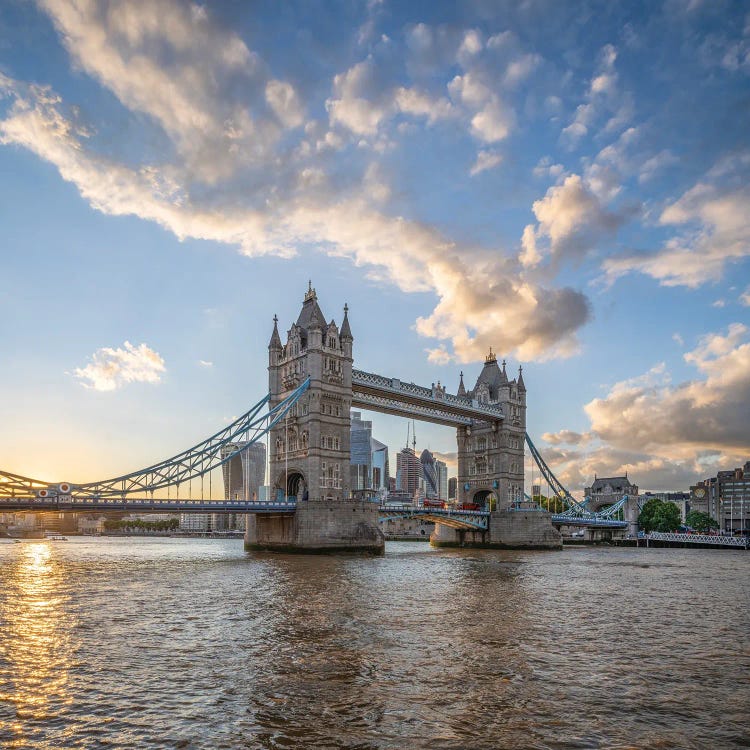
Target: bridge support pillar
446,536
322,526
518,529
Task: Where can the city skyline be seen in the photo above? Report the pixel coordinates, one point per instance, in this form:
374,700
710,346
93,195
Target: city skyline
566,186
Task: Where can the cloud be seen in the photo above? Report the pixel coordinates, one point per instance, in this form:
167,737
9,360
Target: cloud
715,214
567,437
745,297
571,220
546,168
665,436
111,369
228,145
709,412
166,59
485,160
284,101
204,363
492,120
364,100
602,96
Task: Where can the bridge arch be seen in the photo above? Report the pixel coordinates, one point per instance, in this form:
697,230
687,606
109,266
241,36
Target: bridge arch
292,483
485,498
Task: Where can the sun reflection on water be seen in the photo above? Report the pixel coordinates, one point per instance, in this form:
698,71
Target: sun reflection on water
35,648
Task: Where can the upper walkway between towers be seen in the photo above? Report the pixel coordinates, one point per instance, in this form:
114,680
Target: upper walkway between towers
393,396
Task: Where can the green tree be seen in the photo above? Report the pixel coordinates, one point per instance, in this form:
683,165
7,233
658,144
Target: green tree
551,504
659,516
700,521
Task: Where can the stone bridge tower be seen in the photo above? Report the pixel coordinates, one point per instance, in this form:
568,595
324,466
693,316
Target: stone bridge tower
310,449
490,455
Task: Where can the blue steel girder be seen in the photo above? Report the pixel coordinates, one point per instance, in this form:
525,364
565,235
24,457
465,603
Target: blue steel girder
192,463
457,519
576,511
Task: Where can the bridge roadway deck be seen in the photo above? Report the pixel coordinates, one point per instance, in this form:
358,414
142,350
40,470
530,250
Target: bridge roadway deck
391,396
476,519
141,505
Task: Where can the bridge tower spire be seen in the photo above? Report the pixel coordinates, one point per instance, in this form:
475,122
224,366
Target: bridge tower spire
461,388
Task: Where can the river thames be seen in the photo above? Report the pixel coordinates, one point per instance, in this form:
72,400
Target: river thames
192,643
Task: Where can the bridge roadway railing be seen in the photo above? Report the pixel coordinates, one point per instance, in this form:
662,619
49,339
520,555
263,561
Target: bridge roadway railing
562,519
391,395
742,542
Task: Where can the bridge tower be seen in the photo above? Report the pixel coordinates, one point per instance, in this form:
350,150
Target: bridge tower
310,452
490,454
310,449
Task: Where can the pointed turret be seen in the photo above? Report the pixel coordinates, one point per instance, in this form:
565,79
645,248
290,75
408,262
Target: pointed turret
505,374
275,342
346,331
521,385
311,316
461,390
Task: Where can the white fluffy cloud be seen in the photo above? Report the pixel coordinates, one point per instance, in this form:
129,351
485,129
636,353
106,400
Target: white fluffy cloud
716,216
664,435
167,60
709,412
485,160
571,219
602,98
110,369
289,200
363,100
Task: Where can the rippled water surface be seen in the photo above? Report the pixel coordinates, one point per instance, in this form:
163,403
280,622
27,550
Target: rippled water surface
153,643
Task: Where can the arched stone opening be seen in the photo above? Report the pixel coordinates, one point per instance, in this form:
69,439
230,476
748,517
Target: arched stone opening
291,486
485,499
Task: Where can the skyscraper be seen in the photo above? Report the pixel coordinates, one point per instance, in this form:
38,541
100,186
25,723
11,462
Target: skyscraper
441,470
361,452
408,471
244,474
431,486
380,467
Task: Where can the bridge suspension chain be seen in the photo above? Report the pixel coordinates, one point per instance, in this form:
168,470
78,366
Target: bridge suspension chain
574,509
192,463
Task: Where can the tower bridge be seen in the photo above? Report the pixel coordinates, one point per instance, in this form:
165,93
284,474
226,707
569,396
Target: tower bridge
305,419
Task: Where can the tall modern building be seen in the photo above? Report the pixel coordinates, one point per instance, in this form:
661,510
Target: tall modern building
431,487
361,452
380,467
369,457
408,471
244,474
452,487
441,471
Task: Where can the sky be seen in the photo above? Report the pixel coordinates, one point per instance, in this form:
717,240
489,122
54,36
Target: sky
566,183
